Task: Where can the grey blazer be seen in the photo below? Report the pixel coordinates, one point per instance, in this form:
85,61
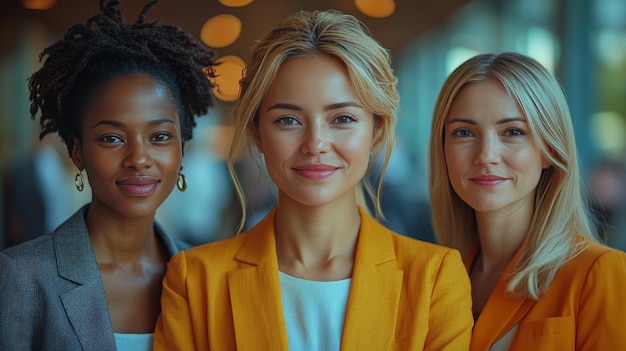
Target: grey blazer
51,292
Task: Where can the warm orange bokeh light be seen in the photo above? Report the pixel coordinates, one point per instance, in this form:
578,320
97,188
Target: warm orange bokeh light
38,4
376,8
235,3
221,30
229,73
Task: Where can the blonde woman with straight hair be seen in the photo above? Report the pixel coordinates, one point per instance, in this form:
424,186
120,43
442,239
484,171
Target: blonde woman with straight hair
318,273
505,190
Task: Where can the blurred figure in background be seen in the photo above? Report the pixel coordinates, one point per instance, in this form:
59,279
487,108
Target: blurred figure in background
39,192
607,194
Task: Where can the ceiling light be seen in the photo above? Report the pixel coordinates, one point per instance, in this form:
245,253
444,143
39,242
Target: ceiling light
376,8
235,3
38,4
221,30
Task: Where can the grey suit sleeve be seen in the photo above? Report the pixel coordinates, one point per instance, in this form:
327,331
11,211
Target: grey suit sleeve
16,307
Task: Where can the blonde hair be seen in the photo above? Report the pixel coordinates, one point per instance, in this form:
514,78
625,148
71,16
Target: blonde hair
560,211
332,33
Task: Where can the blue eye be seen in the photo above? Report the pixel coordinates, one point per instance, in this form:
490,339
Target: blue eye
463,133
514,132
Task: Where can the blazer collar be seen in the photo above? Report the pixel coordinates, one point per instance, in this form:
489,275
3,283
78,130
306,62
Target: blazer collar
85,305
375,290
255,291
501,312
376,281
76,259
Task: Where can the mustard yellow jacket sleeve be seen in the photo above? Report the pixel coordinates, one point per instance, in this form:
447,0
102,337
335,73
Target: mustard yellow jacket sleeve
601,320
451,322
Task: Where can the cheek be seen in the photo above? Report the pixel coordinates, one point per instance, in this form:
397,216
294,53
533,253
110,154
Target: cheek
169,159
450,156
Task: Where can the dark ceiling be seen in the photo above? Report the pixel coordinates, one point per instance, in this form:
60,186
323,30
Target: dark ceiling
411,17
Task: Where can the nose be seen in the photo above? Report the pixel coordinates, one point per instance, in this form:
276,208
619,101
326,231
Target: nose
137,154
317,139
488,153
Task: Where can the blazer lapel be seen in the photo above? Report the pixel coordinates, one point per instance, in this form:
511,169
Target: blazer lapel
85,306
255,292
501,312
375,290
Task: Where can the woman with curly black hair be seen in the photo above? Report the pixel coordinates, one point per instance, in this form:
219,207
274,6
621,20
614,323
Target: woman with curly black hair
123,98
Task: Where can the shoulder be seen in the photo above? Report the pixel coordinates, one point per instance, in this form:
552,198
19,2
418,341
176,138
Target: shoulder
29,253
406,250
430,256
43,244
218,250
252,246
41,257
595,260
404,246
592,253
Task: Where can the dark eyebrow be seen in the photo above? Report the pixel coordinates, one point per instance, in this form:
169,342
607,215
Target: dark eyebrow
119,124
330,107
501,121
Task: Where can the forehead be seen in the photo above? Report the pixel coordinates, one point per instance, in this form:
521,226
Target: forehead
131,97
311,77
484,100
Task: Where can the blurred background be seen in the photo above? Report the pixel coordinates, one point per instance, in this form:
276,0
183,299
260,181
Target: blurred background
582,41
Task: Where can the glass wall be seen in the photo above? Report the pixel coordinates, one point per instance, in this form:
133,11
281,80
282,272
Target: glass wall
582,42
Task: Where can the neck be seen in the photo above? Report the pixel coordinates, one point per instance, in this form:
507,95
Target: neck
319,239
120,240
501,237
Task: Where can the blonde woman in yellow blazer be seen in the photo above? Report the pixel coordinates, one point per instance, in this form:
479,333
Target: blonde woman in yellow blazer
318,273
404,295
505,191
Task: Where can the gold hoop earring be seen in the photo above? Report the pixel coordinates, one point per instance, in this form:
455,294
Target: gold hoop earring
79,181
181,183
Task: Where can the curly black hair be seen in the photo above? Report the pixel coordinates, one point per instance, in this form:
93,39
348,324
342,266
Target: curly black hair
91,54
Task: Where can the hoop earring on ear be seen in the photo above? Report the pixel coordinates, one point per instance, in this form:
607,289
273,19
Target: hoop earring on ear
79,181
181,183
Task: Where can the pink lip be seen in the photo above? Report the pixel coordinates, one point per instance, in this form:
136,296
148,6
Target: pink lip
315,171
138,185
487,180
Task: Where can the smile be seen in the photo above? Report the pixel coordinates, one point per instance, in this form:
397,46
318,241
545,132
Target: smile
315,171
488,180
138,186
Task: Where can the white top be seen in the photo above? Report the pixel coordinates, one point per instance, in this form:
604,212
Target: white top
314,312
134,342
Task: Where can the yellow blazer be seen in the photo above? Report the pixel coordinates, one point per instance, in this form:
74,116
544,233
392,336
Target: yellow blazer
584,308
404,295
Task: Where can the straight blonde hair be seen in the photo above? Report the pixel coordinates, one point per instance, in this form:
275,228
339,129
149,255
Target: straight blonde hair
560,211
